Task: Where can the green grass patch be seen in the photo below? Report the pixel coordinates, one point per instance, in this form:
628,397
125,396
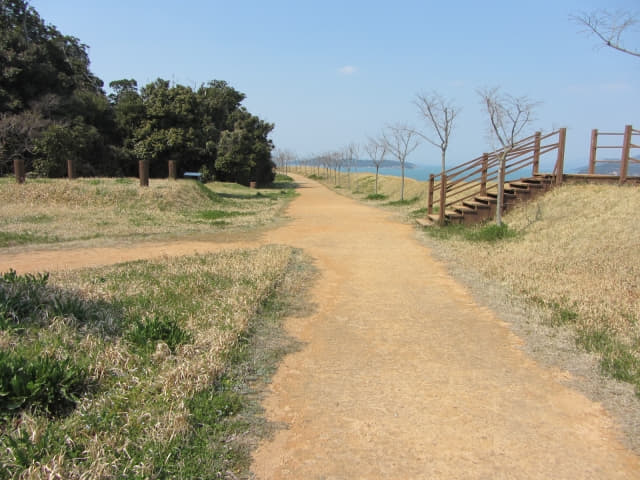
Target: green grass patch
146,333
421,212
403,203
617,360
218,214
376,196
490,232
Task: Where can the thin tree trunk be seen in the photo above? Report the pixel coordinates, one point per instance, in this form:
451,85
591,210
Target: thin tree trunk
402,183
377,167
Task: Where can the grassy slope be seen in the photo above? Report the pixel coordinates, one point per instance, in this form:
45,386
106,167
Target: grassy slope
46,211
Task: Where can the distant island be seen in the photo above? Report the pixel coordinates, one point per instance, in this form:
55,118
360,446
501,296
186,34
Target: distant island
612,167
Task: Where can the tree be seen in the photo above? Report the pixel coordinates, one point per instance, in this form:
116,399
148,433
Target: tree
376,150
244,153
508,117
439,115
609,27
400,141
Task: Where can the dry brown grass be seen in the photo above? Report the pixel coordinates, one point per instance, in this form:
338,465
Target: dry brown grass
62,210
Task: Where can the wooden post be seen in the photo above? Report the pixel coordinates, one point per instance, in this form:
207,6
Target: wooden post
536,154
562,140
18,168
71,172
173,170
485,168
593,151
143,169
626,150
430,194
443,195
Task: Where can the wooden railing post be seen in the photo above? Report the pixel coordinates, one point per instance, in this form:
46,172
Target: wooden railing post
536,154
18,168
173,170
626,151
443,196
593,151
143,169
430,194
485,168
562,140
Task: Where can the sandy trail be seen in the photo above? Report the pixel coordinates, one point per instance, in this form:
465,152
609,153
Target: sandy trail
403,375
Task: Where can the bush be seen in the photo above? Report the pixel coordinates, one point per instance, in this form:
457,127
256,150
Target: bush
43,384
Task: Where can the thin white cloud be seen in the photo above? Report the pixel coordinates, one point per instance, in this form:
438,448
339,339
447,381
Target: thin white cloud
347,70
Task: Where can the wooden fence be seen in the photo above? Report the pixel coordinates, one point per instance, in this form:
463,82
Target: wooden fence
625,148
482,175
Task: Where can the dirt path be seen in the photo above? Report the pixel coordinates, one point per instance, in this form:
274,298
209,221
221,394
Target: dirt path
403,376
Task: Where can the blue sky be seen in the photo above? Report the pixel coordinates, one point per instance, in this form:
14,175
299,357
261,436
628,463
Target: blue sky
333,72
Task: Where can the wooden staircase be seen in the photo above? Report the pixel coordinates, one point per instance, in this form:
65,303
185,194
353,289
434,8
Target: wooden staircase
468,193
483,206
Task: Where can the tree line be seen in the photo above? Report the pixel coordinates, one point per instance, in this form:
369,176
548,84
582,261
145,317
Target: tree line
53,108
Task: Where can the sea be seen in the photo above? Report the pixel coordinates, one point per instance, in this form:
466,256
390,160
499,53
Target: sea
418,172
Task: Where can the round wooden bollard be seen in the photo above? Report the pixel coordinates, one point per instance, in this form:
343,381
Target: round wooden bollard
71,172
173,170
18,168
253,184
143,167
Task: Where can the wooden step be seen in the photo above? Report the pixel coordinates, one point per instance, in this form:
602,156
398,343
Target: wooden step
524,185
506,195
485,199
453,214
426,222
475,205
463,209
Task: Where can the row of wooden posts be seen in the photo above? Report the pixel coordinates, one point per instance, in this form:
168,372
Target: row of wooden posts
143,171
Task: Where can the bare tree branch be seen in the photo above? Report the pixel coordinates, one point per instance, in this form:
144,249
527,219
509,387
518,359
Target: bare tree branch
609,27
439,114
400,140
376,150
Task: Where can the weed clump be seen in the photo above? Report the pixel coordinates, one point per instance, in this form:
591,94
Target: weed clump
148,332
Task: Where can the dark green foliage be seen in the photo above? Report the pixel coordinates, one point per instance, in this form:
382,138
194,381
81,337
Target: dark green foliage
53,109
43,384
146,333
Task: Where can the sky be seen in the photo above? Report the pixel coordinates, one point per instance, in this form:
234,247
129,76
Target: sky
334,72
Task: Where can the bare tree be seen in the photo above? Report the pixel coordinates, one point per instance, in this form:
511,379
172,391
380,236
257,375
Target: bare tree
400,141
508,117
376,150
350,153
439,114
609,27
